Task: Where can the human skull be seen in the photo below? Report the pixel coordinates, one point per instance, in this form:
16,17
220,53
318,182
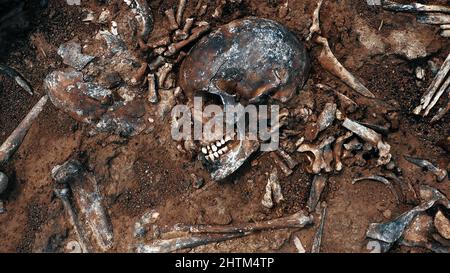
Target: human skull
246,61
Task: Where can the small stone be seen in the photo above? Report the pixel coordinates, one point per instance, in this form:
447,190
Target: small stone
442,225
387,214
197,182
420,73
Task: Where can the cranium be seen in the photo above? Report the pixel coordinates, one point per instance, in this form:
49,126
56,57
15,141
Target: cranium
246,61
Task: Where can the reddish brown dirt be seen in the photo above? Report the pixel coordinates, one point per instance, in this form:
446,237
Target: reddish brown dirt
148,172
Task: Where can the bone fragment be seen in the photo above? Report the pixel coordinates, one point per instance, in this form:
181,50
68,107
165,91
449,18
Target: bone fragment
433,19
298,244
445,27
64,196
380,179
329,62
13,142
318,184
184,33
325,119
157,63
390,232
161,42
287,158
337,150
20,80
180,11
173,25
317,241
441,112
442,224
440,174
152,91
273,188
445,33
445,87
315,27
196,33
372,137
413,7
318,163
286,170
162,74
171,245
89,200
71,54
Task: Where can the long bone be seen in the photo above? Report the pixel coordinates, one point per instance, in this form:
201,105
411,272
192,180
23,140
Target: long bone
433,19
63,195
196,235
14,140
413,7
86,193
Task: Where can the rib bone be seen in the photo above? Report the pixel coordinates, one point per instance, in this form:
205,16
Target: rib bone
381,180
329,62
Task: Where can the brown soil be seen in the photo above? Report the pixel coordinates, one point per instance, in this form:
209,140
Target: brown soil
148,172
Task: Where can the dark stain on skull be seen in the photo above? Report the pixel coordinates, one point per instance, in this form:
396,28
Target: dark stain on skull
248,60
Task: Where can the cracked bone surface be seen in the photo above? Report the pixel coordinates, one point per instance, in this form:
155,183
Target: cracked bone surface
196,235
89,200
13,142
249,59
372,138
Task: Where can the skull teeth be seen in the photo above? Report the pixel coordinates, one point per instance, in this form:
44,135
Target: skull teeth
217,149
214,148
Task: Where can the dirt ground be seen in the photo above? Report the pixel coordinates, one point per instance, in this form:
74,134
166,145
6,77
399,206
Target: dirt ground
148,172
